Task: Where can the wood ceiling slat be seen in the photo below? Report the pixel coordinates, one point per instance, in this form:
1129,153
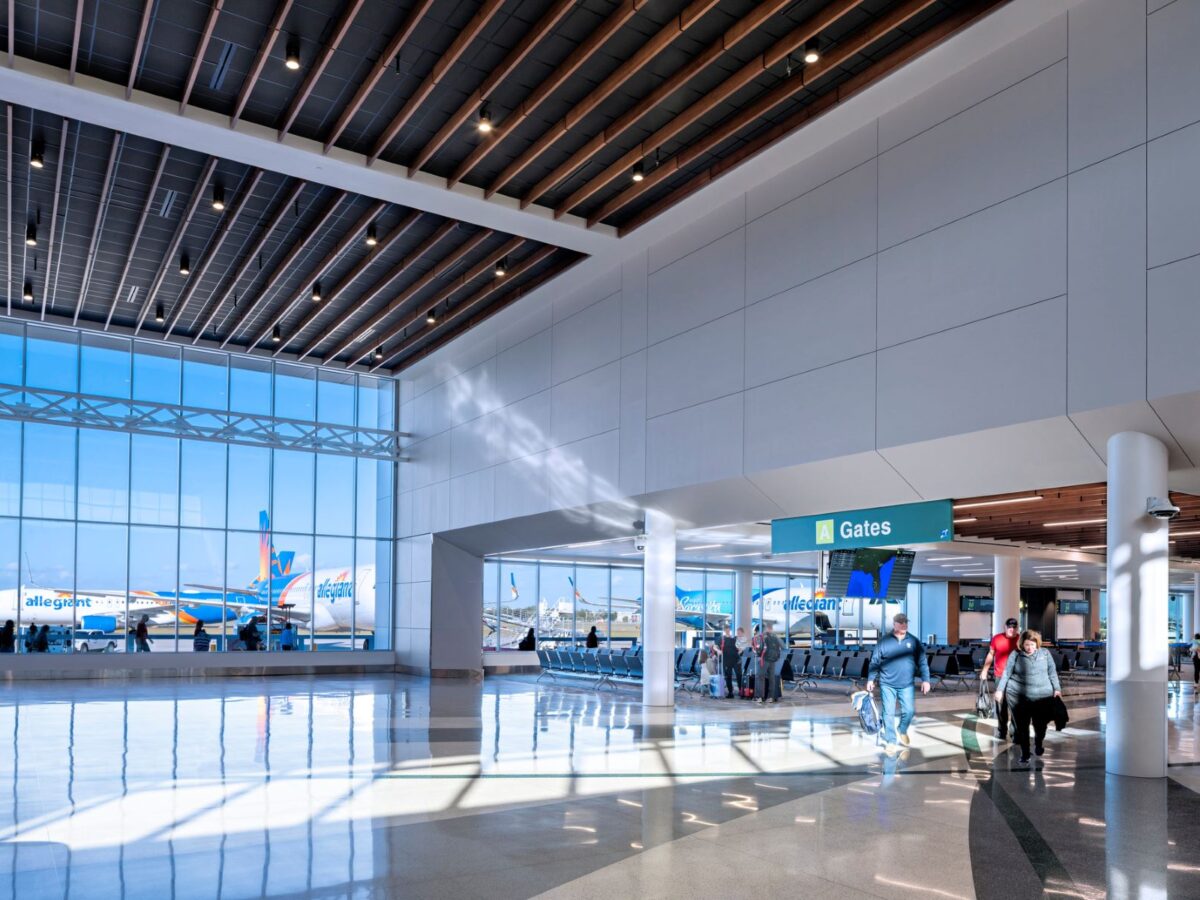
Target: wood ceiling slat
285,266
75,41
12,30
8,176
396,303
470,106
379,251
260,61
232,213
381,284
221,295
101,214
169,258
52,241
137,233
198,56
552,82
796,38
303,292
480,296
380,66
661,40
318,68
456,49
135,62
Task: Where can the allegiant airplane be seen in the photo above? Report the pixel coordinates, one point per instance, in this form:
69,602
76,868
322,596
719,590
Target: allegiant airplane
331,598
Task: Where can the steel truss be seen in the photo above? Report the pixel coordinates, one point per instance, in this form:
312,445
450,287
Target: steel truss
26,404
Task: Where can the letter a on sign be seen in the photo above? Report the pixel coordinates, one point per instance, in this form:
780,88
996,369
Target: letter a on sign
825,531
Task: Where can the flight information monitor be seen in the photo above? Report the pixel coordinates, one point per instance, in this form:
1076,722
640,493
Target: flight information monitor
976,604
869,572
1074,607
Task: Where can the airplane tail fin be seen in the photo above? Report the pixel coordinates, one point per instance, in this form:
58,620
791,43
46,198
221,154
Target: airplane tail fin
281,562
512,580
265,550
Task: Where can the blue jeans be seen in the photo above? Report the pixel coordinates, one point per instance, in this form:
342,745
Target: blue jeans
906,697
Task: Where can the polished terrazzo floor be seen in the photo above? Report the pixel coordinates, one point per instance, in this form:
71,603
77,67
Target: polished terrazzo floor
401,787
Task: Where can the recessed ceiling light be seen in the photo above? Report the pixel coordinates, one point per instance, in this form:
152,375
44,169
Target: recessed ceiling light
378,353
964,521
1094,547
31,235
484,124
1184,533
740,555
316,292
638,173
372,239
431,318
184,267
703,547
812,51
28,294
946,558
276,337
158,312
1070,522
218,200
1011,500
36,160
501,269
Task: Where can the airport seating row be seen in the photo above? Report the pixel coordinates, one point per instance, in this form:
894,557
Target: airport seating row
601,667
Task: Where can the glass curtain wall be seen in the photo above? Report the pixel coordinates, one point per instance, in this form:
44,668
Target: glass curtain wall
100,528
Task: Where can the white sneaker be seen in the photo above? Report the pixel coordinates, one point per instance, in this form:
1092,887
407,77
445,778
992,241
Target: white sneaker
904,740
890,749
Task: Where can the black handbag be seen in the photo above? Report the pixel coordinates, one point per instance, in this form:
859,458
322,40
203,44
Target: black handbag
985,703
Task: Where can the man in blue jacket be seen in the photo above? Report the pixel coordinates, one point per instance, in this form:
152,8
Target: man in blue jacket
894,664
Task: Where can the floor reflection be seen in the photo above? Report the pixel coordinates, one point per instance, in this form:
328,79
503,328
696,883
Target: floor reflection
299,787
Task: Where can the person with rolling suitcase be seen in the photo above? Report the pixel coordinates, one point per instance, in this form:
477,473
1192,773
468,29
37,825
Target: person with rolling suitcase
772,650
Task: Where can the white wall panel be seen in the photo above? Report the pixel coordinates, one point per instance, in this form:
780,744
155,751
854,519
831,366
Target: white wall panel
727,217
1005,369
1015,62
700,287
821,231
430,460
431,412
477,445
519,322
1106,340
804,418
824,321
633,304
698,365
525,426
1174,328
695,445
524,369
1173,196
586,405
1007,144
1173,66
471,498
824,165
472,393
585,471
575,298
632,448
1106,102
587,340
1006,256
521,487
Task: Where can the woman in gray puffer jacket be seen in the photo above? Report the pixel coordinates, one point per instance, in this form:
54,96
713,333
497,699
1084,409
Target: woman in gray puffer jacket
1030,681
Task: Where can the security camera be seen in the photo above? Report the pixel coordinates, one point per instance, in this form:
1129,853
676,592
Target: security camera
1161,508
639,542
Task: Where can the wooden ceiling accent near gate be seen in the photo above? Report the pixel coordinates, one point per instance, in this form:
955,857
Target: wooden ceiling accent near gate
1025,523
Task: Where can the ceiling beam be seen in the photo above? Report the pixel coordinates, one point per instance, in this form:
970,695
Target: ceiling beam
848,47
98,225
198,56
470,106
8,270
12,31
218,298
317,69
198,195
778,51
382,284
456,49
350,237
137,233
552,82
75,39
377,253
378,67
264,53
400,300
135,63
470,303
844,91
232,213
635,64
733,35
284,267
53,239
97,102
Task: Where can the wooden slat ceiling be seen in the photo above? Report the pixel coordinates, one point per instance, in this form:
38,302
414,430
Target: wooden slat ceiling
581,93
1018,519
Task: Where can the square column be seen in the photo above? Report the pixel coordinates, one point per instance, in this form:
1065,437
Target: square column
1006,591
658,613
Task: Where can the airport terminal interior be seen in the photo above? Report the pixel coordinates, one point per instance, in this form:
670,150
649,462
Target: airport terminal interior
585,448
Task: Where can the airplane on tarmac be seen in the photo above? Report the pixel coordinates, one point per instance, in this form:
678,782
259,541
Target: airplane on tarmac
332,598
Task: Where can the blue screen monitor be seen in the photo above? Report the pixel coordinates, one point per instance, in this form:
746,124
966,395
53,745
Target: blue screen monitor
876,574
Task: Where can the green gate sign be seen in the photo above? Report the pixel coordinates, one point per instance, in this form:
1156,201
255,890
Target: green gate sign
883,526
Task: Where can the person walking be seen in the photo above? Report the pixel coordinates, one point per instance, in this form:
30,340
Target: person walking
593,640
287,637
731,662
999,650
1030,681
529,642
1196,658
251,636
141,634
31,637
772,650
200,639
8,637
41,643
895,663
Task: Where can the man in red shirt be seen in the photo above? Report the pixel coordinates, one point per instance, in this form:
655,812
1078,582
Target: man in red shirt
1001,646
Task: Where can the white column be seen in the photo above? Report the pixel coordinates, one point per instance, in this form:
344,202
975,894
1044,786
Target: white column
1136,742
1006,591
743,611
658,619
1187,614
1195,606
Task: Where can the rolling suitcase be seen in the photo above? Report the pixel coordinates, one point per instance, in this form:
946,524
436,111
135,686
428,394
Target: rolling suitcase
714,687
